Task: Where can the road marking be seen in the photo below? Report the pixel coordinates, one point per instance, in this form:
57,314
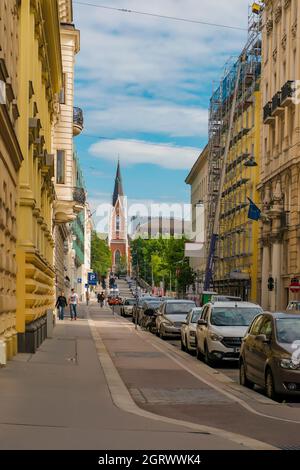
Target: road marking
221,390
123,400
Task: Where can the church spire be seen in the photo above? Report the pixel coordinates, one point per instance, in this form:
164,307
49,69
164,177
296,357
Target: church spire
118,191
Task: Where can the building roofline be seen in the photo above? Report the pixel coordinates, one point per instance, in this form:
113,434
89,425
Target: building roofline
199,160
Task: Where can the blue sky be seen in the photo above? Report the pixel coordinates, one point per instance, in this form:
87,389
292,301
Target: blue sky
144,84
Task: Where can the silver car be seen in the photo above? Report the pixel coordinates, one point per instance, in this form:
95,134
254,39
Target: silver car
188,330
127,307
170,316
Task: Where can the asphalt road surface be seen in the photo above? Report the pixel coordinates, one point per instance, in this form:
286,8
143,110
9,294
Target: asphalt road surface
230,369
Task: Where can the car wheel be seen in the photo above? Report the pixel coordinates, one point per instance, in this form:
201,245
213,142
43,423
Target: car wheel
187,345
210,362
243,377
269,386
161,334
198,352
183,347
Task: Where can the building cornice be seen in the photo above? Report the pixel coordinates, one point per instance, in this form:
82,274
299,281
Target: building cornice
197,165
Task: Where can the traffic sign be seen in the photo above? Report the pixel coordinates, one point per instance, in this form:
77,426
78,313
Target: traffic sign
92,279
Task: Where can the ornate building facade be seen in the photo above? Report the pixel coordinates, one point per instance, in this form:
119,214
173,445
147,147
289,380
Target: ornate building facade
280,170
10,162
40,81
70,199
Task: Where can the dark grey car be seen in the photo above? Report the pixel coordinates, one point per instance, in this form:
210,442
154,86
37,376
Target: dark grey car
270,354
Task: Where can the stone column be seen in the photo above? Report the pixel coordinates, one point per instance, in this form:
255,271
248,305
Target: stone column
276,274
264,277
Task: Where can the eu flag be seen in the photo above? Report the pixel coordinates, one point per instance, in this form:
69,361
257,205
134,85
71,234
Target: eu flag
254,212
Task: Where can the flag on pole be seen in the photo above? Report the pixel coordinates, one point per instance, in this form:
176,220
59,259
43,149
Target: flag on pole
254,212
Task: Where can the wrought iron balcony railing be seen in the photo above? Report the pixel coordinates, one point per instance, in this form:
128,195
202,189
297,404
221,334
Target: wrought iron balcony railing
79,196
276,103
288,92
268,113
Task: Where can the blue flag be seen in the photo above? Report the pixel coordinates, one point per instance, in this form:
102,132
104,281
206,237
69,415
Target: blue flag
254,212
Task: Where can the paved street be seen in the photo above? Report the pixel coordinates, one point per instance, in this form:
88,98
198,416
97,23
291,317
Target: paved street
99,383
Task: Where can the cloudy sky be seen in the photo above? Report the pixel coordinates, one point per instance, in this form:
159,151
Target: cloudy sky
144,84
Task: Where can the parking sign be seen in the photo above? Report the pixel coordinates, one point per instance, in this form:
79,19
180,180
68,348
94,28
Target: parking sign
92,279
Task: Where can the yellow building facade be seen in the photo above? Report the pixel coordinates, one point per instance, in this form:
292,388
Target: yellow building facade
10,162
237,260
40,75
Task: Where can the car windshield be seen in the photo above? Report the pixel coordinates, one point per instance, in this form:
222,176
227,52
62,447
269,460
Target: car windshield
233,316
177,308
130,302
152,304
288,330
196,315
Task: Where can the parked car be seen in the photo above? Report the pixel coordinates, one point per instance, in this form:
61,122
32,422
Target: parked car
148,313
270,354
170,316
114,300
224,298
127,307
188,330
221,328
293,306
136,312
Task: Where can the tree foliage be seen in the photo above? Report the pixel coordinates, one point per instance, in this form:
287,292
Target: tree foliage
100,256
163,259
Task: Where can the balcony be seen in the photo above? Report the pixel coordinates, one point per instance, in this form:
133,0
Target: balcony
79,197
68,203
277,108
288,93
77,121
268,118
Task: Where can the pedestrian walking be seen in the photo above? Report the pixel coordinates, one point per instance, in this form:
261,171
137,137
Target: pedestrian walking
61,304
87,297
73,302
101,299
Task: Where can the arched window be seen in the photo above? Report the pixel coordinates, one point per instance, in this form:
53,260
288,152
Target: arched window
117,257
117,223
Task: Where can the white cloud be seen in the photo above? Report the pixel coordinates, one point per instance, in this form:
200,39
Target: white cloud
146,75
138,152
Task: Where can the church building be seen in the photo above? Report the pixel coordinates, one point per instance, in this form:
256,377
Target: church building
118,235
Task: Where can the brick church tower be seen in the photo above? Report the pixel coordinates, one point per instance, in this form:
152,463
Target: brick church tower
118,236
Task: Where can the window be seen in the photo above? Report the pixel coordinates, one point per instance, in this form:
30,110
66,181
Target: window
266,328
62,95
117,223
254,330
60,167
117,257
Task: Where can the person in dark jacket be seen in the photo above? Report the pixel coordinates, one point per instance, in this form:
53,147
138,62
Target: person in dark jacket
61,304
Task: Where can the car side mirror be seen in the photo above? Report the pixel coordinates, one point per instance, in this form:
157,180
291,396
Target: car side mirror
263,338
202,322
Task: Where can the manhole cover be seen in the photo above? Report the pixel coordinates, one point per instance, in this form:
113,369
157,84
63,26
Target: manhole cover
180,396
138,354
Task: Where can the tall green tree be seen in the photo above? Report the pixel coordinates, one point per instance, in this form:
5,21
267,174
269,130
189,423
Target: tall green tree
162,259
100,256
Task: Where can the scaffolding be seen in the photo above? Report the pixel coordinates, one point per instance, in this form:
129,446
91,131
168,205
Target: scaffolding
248,66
